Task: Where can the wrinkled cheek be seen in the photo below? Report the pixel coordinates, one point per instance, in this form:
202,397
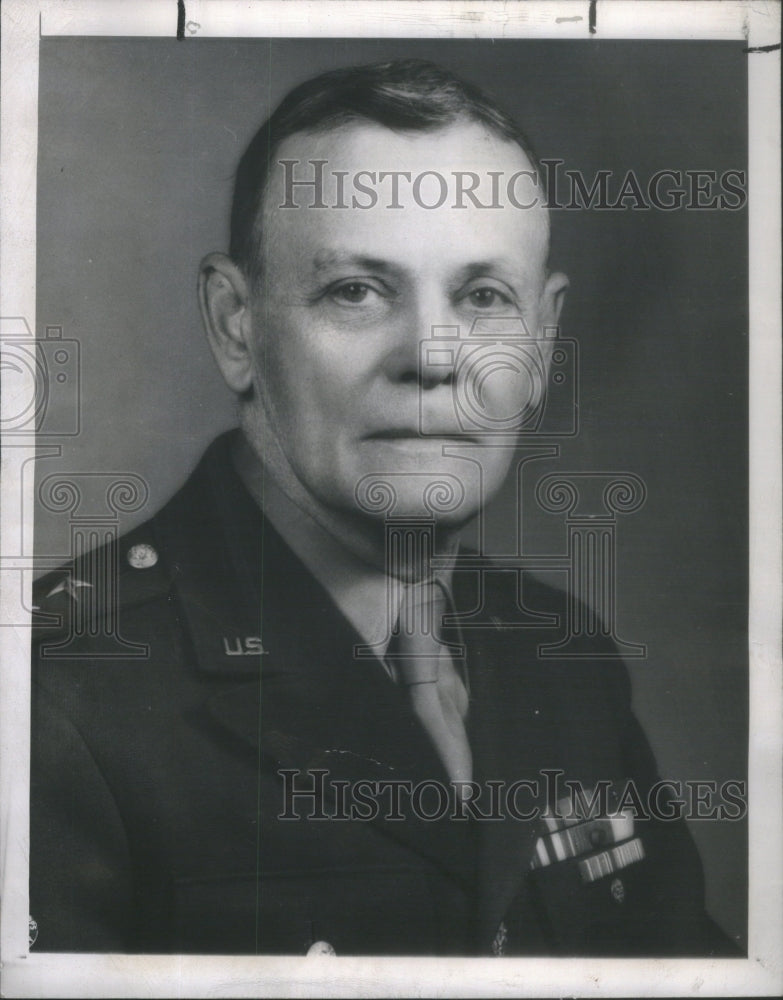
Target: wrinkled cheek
310,419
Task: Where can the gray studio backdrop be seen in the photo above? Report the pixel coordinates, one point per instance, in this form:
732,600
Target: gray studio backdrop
138,140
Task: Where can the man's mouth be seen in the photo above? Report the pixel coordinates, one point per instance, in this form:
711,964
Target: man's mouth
414,434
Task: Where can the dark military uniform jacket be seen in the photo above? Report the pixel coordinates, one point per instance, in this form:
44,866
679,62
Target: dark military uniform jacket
167,704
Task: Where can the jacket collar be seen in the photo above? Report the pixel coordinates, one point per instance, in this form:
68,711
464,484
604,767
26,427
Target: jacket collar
213,538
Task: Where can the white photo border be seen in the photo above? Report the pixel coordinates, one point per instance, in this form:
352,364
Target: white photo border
758,22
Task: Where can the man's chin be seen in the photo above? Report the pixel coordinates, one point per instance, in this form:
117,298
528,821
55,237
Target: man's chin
447,491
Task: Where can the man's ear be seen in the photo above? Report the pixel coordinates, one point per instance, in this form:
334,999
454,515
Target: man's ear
550,304
552,298
224,299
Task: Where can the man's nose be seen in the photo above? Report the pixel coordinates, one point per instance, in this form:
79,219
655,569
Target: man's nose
423,350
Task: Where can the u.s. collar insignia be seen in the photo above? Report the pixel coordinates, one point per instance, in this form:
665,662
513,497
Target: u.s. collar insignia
249,645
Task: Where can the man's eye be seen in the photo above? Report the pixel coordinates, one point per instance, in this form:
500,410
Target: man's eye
486,298
352,293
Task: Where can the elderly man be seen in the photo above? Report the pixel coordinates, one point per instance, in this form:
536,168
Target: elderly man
320,752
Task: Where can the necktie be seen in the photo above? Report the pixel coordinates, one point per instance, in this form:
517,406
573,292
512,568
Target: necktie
438,696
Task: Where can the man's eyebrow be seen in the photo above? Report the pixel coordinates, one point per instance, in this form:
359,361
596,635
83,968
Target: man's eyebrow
326,260
481,268
329,259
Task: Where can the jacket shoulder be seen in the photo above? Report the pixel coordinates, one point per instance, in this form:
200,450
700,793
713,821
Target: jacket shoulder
121,574
533,614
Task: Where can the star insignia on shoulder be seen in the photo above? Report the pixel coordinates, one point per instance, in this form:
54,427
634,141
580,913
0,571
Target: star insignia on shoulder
70,585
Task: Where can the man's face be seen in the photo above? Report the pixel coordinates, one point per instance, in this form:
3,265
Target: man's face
348,300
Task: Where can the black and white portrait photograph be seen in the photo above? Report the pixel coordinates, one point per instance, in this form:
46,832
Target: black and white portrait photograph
391,499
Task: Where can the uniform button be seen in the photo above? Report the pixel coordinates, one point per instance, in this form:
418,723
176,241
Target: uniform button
617,890
321,948
142,556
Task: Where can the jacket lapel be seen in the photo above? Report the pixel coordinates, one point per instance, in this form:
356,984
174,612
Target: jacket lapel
511,742
318,707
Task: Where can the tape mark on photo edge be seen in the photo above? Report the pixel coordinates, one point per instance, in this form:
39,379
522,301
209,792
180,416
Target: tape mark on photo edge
180,20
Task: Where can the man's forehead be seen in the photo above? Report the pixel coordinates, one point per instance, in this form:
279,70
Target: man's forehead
364,165
463,144
370,181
